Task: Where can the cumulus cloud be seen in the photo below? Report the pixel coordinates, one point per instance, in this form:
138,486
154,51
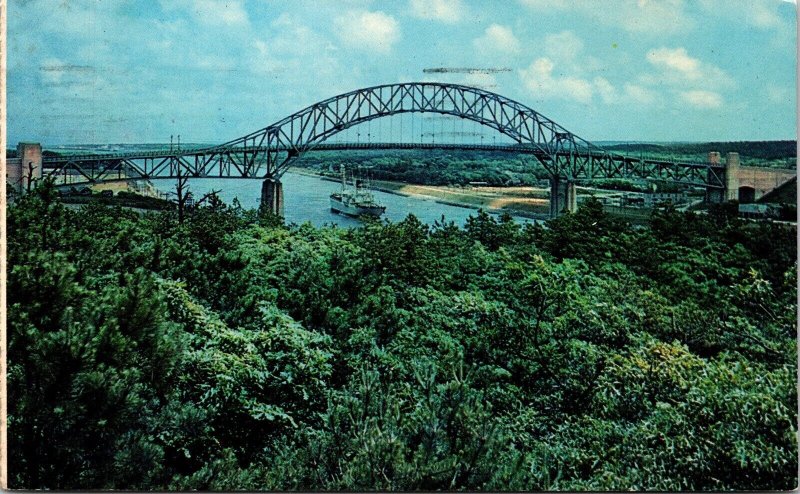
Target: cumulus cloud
678,68
544,80
568,50
448,11
289,37
639,94
762,14
222,12
702,99
763,17
371,31
222,56
541,82
564,46
670,17
497,38
646,17
677,60
188,70
291,50
687,79
566,73
607,92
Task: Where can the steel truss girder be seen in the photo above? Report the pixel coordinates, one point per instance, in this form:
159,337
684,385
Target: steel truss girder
268,152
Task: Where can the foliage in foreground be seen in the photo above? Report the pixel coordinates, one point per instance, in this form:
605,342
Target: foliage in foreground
229,352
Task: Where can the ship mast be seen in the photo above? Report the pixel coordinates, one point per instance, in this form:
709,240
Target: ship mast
343,177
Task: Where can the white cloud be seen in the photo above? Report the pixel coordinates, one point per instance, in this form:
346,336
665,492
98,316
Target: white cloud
687,79
291,50
222,12
763,17
646,17
652,16
541,82
371,31
679,68
544,81
763,14
566,73
497,38
676,59
659,18
448,11
606,90
564,46
702,99
639,94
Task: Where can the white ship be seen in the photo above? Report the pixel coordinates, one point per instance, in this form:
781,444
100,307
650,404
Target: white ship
355,200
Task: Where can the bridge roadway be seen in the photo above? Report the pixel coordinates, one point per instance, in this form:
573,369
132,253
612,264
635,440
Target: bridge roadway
100,167
324,146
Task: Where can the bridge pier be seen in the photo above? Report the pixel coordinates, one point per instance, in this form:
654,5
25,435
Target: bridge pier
272,196
563,196
730,179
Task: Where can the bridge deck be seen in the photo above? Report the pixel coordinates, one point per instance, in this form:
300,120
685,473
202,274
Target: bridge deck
233,162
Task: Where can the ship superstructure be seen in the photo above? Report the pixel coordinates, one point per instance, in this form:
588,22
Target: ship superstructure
355,199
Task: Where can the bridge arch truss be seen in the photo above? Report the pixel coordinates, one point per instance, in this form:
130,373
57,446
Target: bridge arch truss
268,152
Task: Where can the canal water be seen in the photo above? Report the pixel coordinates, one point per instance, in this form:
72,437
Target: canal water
306,198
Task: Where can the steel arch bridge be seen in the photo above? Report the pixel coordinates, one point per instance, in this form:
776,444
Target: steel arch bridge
267,153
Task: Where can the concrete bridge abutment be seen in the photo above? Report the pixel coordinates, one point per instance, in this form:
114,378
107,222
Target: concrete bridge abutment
272,196
730,178
563,196
24,170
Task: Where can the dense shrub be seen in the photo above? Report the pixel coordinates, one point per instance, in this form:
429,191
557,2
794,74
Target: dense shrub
232,352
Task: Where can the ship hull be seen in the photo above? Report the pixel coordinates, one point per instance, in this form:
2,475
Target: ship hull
337,206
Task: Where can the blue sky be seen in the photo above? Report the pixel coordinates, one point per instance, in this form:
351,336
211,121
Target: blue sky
95,71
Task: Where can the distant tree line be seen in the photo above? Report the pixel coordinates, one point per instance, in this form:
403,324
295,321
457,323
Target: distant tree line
754,153
453,167
433,167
